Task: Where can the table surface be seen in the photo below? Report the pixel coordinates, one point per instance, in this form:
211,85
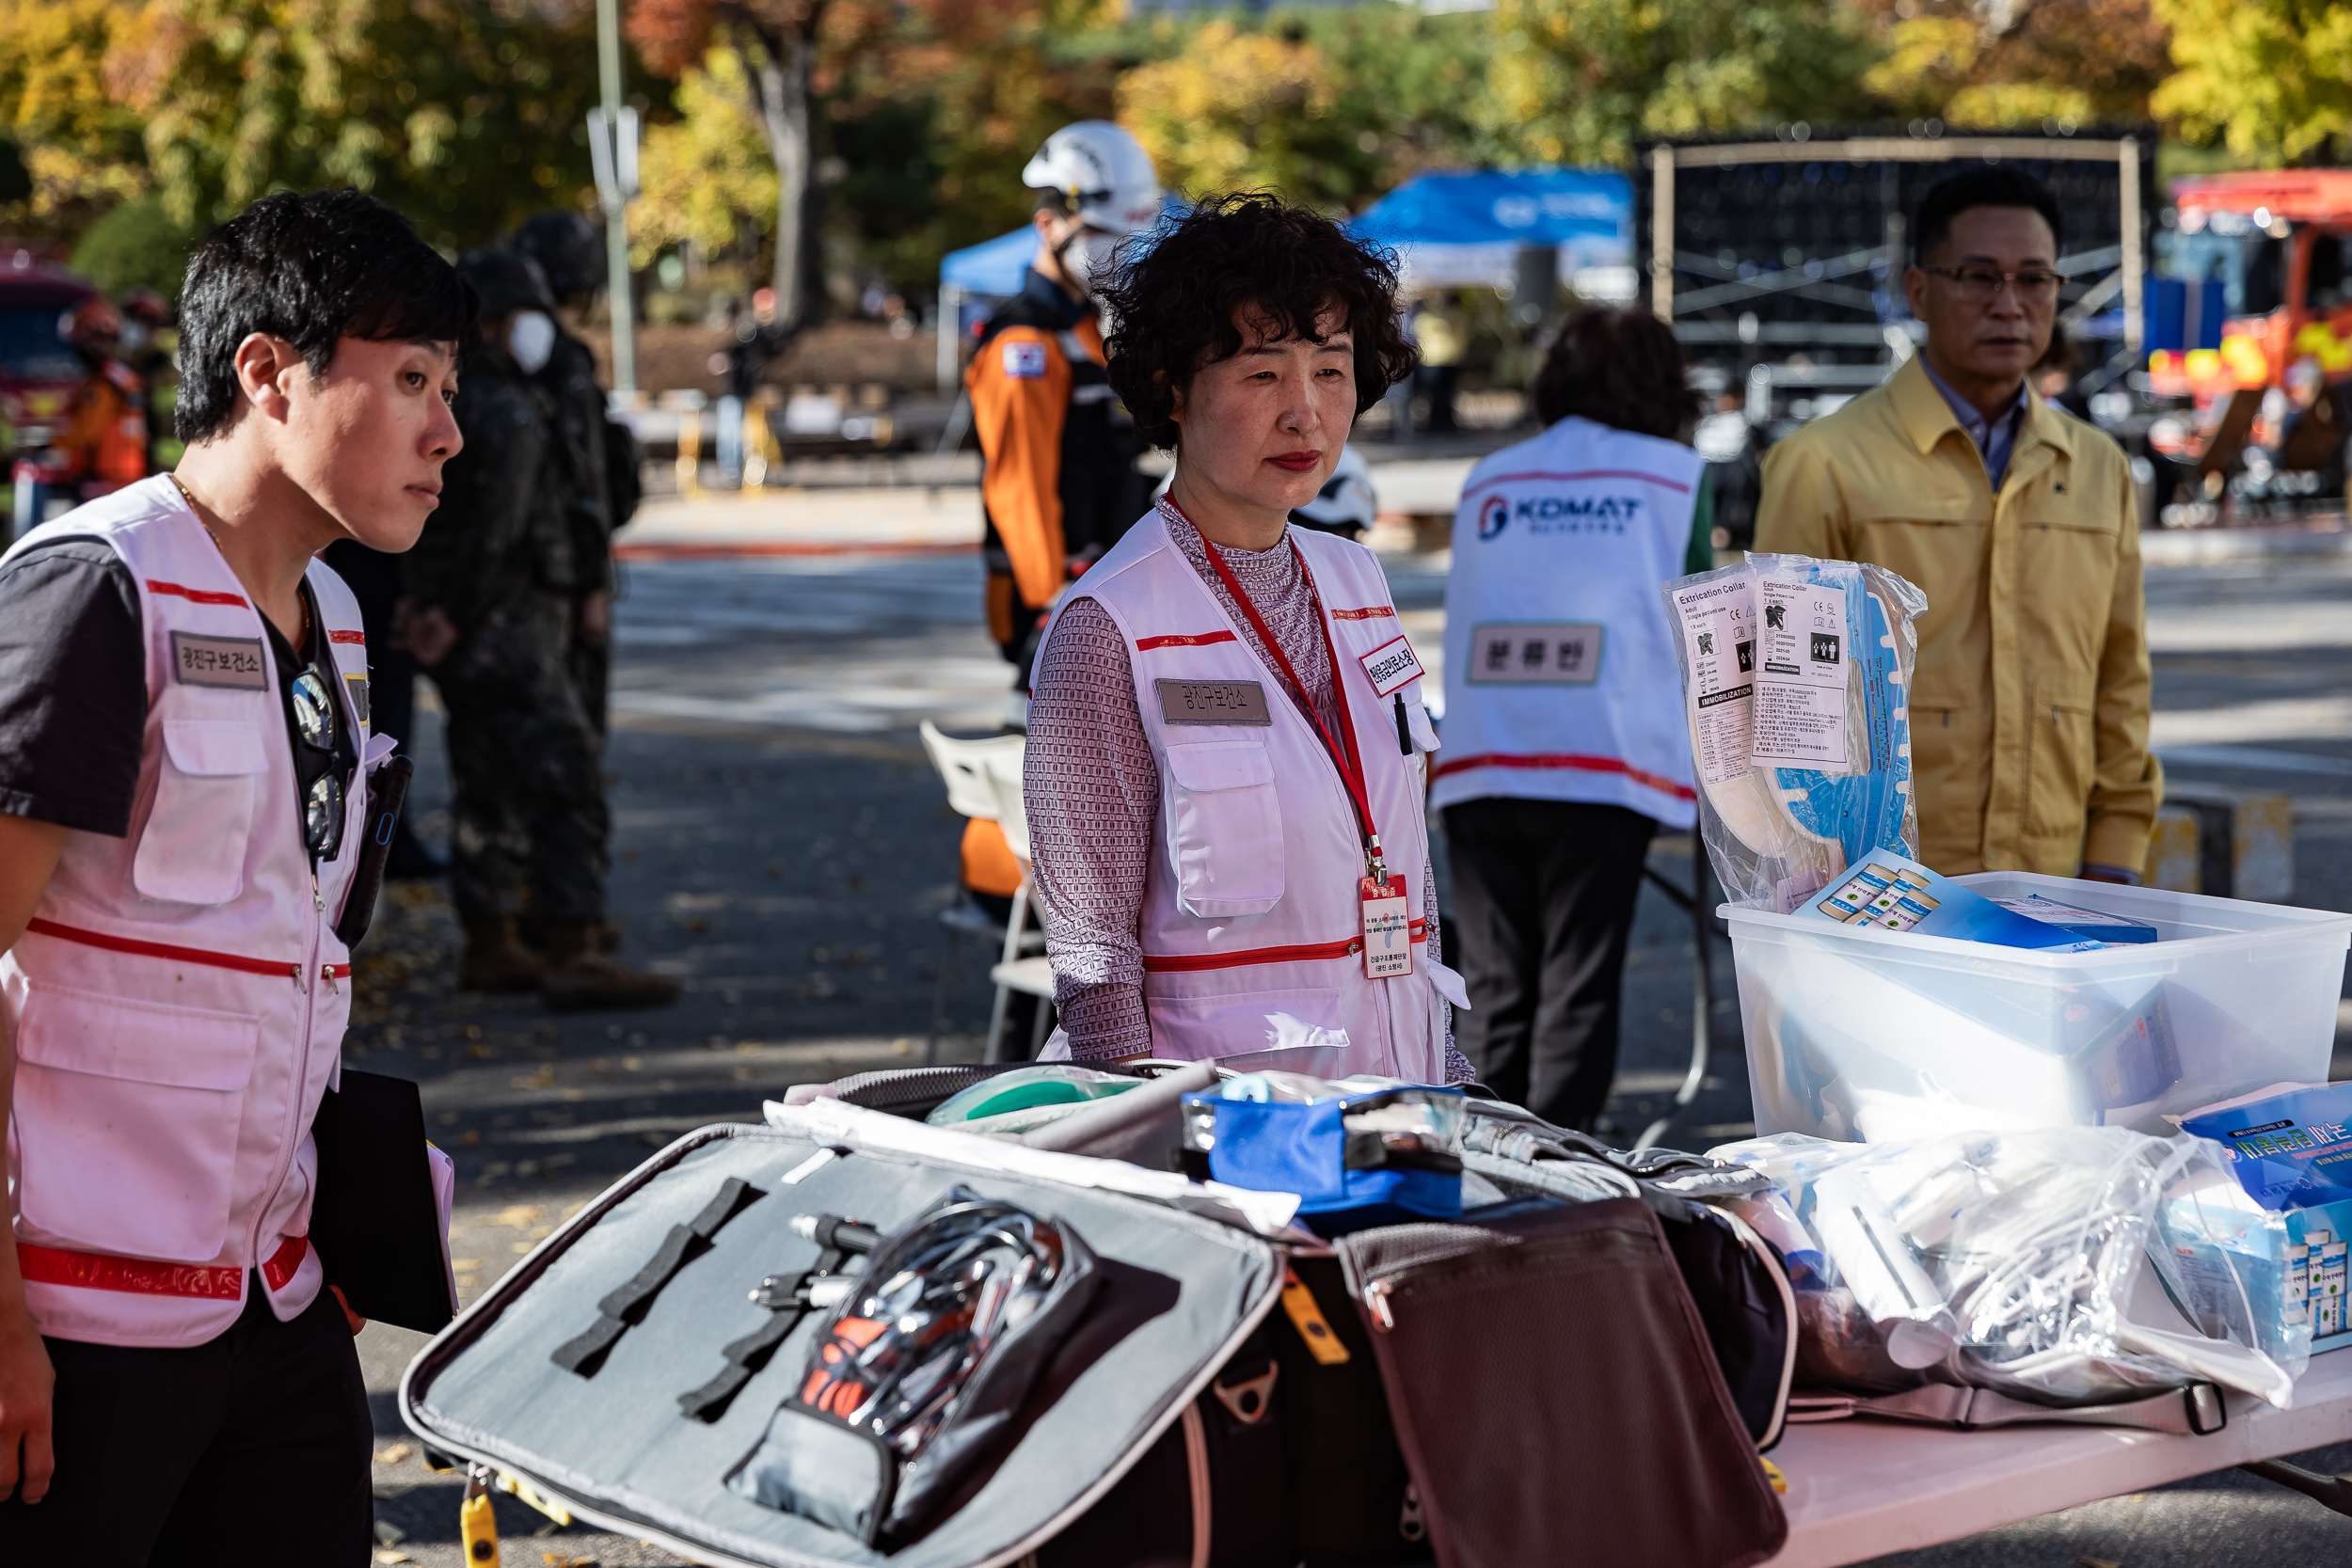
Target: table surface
1861,1488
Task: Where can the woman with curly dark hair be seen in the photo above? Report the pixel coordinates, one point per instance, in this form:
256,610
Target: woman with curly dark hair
1223,791
1564,741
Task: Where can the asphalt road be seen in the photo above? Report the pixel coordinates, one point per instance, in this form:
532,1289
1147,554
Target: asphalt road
782,846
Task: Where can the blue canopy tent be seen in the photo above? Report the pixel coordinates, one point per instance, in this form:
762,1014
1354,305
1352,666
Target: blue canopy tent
1465,227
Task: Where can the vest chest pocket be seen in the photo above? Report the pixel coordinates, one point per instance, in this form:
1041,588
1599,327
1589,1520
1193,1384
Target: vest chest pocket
192,850
1224,828
127,1117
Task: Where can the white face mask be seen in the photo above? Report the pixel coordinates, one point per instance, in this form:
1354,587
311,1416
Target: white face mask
531,339
1087,258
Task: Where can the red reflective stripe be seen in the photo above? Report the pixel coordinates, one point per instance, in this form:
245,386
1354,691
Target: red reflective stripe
1583,473
146,1277
1585,765
1370,612
161,950
1201,639
195,596
336,971
280,1266
346,637
1190,963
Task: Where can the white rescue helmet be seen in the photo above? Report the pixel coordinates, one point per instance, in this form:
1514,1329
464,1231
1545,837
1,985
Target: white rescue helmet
1346,504
1103,172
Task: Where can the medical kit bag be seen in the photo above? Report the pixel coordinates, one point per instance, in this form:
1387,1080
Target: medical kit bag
848,1337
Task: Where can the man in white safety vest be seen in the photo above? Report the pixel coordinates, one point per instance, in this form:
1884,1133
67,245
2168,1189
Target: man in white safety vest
184,749
1565,748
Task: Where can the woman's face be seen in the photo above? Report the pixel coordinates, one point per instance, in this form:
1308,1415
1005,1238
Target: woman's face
1263,428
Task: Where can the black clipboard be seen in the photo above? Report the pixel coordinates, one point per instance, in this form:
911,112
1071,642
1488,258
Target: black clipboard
375,1221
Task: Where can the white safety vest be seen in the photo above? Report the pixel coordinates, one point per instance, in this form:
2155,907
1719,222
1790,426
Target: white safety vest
178,1001
1252,919
1559,674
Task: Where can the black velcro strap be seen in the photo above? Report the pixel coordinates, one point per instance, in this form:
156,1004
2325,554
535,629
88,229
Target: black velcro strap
627,1302
574,1354
746,1356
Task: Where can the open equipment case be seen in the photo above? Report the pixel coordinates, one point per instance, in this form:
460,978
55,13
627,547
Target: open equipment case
585,1373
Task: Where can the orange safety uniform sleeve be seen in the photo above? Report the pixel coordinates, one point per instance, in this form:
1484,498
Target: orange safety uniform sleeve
1019,418
105,432
988,864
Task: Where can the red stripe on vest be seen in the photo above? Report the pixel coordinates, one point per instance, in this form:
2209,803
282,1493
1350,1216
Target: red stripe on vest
162,950
195,596
1370,612
1192,963
1201,639
143,1276
1583,473
346,637
1583,765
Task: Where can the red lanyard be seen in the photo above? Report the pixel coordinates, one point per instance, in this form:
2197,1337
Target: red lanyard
1343,756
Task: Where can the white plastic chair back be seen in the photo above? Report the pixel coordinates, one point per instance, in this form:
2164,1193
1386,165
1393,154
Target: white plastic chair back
963,764
1004,777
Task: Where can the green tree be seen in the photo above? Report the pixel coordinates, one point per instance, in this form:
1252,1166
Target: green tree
709,175
466,114
79,142
2271,79
1971,62
136,244
1576,81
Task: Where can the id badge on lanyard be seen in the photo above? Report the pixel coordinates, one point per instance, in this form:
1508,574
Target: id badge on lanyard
1388,926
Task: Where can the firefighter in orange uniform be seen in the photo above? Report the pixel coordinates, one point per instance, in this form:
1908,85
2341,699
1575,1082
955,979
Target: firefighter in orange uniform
104,439
1059,483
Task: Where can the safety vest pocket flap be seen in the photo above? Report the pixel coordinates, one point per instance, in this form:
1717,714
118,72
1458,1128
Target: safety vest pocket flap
126,1116
214,748
1225,828
192,849
1220,765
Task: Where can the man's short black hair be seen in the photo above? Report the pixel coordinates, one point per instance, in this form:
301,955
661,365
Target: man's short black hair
1994,185
313,269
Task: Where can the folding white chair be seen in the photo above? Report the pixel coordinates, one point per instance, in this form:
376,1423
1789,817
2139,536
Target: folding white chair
963,766
1033,976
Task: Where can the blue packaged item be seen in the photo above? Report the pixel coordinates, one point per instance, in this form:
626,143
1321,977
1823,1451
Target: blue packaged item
1894,893
1356,1157
2289,1149
2090,925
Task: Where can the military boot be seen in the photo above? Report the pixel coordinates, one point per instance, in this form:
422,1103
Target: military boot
580,975
495,959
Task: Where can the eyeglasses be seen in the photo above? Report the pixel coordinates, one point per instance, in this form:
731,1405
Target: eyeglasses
1982,285
323,805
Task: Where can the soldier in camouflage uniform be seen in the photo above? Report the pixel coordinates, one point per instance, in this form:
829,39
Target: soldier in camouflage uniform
492,589
568,251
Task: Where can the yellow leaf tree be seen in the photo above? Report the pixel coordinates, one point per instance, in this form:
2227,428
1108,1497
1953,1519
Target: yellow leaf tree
79,142
1237,111
2270,78
708,176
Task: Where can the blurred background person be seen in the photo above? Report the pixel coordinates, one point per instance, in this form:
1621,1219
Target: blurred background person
492,590
1442,337
1564,744
1058,481
605,486
151,338
104,445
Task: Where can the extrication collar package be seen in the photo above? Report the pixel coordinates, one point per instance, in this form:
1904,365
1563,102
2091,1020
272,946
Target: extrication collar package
2018,1262
1796,676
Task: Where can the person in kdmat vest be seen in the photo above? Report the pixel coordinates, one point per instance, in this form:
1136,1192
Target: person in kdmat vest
1223,779
183,744
1565,742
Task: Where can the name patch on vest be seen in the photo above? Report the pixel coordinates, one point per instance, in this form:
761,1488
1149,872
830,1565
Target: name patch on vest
234,662
1390,665
1536,653
1213,703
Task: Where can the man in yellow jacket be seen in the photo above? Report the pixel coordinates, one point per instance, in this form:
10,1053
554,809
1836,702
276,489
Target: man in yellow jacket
2029,706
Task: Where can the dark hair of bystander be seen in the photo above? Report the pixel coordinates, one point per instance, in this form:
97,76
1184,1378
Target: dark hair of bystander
313,268
1620,365
1176,291
1996,185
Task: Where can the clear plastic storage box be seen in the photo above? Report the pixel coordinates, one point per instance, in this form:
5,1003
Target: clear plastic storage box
1860,1034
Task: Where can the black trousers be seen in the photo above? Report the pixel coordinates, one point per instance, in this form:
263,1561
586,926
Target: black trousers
251,1447
1543,899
